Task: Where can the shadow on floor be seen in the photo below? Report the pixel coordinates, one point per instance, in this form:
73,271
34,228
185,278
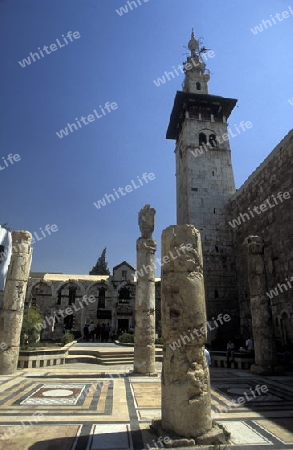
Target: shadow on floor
101,439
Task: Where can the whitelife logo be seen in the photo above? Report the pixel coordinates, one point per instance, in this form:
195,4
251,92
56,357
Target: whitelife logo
280,287
128,188
10,158
260,209
280,16
48,229
55,316
144,270
53,47
90,118
168,76
200,331
124,9
221,139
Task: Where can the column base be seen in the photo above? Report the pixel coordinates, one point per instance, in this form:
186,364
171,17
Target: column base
9,361
259,369
143,374
216,436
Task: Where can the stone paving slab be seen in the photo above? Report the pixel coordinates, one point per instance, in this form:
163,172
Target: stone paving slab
79,407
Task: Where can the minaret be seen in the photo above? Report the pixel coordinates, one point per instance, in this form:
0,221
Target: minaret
196,77
205,181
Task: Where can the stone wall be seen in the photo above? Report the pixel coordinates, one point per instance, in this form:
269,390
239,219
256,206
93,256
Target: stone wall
274,224
50,293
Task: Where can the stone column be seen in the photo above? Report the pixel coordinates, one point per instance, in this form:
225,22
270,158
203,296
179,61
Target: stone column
13,300
186,396
262,322
144,330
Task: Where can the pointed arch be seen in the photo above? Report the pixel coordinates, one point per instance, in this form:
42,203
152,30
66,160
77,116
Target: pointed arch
202,139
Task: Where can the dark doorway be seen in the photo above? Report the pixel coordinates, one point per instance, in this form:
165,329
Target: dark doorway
123,324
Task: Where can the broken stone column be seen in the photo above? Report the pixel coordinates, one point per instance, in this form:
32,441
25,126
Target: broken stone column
262,321
144,330
13,301
186,396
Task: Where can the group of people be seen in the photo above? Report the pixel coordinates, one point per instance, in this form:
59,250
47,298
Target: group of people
231,349
98,333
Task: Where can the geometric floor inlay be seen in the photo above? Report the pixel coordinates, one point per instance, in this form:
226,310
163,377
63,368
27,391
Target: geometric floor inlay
245,390
55,394
96,411
282,429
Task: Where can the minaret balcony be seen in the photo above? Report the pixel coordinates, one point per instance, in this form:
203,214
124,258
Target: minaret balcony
202,107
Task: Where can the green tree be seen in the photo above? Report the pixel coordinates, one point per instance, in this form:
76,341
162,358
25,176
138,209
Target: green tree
29,332
101,268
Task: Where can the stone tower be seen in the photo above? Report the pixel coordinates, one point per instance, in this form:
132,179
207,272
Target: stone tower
205,180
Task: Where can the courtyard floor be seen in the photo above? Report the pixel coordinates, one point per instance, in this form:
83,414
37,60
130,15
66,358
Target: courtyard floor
94,407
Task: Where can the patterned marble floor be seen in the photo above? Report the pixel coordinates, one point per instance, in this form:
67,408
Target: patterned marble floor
78,407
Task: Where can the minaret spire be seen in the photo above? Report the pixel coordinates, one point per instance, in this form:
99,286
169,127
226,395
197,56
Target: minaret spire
196,76
193,44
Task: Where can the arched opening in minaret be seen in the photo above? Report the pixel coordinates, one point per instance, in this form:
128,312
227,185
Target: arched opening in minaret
202,139
212,140
198,86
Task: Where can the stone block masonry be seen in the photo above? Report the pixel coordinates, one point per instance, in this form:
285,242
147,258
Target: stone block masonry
274,225
267,204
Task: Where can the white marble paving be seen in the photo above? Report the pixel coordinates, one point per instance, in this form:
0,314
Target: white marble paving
243,434
111,437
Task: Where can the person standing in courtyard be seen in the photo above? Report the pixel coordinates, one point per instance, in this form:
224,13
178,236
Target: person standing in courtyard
92,331
249,345
207,356
230,351
86,332
98,332
107,332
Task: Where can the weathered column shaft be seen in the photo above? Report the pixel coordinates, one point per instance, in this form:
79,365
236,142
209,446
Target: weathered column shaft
262,322
144,349
186,398
144,330
13,300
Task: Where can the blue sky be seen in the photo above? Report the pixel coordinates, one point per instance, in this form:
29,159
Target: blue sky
115,59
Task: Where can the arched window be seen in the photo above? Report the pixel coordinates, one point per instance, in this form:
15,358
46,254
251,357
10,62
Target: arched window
198,86
102,298
202,139
72,294
59,296
124,295
212,140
